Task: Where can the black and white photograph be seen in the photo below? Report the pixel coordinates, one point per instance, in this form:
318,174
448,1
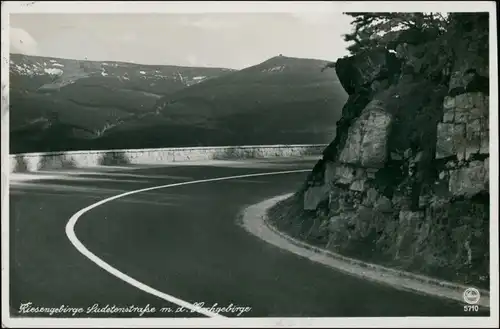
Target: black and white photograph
247,163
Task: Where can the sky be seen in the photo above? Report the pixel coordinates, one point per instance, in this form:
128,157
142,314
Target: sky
230,40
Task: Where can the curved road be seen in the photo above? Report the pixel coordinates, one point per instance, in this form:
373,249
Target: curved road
183,241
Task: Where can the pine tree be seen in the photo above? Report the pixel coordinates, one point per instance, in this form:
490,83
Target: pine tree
372,30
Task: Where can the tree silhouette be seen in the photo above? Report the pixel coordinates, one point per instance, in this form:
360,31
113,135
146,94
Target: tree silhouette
372,30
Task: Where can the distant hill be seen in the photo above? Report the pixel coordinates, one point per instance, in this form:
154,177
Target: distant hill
282,100
108,105
61,103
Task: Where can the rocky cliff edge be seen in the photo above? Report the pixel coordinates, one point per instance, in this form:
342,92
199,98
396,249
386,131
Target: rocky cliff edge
406,180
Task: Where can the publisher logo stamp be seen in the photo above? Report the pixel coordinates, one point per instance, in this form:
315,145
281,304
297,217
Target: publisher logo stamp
471,296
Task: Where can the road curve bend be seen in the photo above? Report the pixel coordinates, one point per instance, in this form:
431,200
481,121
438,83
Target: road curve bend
167,237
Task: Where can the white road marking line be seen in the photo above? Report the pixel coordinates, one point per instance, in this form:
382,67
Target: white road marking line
70,232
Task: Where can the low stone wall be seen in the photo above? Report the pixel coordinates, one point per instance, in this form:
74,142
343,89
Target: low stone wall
30,162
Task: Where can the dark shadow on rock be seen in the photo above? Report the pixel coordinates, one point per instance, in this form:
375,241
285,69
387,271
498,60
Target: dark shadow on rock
114,159
21,165
56,161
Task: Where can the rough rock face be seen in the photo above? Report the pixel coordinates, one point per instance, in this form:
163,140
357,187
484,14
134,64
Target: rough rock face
364,70
465,128
366,144
469,180
406,180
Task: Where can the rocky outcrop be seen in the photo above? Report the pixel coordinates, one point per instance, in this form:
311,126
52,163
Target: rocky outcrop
366,144
465,128
469,180
366,70
406,180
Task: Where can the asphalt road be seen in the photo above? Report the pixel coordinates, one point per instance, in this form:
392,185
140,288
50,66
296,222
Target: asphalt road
183,241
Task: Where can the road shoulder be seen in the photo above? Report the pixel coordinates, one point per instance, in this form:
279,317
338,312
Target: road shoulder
254,220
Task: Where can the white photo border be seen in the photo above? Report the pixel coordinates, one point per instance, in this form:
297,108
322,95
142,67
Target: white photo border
9,7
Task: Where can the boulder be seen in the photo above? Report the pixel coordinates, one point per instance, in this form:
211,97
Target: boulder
469,181
464,130
471,100
449,137
366,143
364,68
449,116
449,103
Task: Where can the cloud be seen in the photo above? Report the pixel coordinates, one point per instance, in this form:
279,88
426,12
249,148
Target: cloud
22,42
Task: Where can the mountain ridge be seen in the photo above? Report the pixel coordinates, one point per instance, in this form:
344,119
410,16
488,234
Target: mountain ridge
97,104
